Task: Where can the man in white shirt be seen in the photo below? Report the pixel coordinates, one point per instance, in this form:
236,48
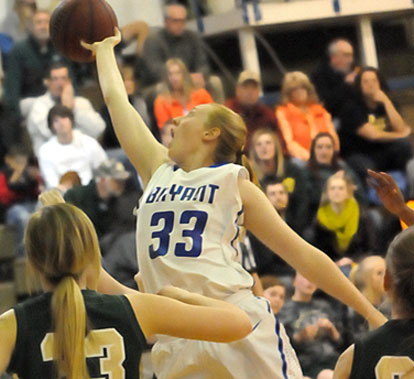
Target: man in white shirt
68,149
60,91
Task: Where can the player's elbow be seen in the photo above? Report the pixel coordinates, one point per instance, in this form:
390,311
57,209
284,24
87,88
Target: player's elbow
239,327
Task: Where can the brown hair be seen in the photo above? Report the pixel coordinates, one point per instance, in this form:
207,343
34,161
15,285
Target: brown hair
294,80
188,85
72,177
270,281
279,158
61,243
400,264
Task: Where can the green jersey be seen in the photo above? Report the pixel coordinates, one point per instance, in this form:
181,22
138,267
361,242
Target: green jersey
114,343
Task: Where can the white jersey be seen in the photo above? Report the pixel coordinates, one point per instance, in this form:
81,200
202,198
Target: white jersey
188,224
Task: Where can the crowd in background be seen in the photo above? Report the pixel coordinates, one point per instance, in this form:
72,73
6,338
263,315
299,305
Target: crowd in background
310,153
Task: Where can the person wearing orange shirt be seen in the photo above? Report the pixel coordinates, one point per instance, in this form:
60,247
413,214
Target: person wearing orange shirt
178,94
301,117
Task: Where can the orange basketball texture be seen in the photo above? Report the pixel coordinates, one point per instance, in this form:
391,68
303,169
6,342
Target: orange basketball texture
76,20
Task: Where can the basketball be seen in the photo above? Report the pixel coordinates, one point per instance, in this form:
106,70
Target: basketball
76,20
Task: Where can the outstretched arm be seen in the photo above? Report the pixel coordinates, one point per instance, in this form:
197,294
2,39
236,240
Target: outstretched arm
144,151
264,222
390,195
344,364
8,334
180,313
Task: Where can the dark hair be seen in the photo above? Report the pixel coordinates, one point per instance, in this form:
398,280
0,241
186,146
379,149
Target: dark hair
17,150
400,264
56,66
59,111
313,163
381,79
270,180
270,281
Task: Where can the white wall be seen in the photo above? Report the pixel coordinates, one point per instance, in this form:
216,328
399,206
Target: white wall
126,10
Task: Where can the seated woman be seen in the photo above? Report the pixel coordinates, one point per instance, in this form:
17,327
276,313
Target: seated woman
323,163
338,227
301,117
267,159
373,133
178,94
74,332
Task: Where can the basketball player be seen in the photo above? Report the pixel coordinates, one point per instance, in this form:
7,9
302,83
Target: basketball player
62,247
194,199
388,352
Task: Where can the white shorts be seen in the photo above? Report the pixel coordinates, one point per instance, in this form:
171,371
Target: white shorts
265,353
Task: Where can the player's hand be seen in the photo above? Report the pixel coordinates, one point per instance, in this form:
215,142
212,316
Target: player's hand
109,41
387,190
51,197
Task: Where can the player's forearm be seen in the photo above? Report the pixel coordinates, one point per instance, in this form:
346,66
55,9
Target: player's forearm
407,215
110,78
193,298
313,263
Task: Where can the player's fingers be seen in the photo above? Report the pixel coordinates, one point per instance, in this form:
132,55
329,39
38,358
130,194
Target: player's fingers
86,45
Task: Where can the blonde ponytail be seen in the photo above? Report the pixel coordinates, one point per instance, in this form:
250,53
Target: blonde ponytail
61,244
69,321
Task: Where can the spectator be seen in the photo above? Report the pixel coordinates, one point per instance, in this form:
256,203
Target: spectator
313,326
67,149
10,129
100,197
19,188
267,159
373,133
274,291
338,227
368,277
17,22
246,103
267,262
278,194
178,95
301,117
175,41
388,350
323,163
28,63
334,77
60,91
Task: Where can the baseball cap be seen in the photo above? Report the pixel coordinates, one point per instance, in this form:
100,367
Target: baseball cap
248,75
113,169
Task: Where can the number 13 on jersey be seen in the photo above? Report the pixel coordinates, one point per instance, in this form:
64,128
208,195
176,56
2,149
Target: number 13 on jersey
193,235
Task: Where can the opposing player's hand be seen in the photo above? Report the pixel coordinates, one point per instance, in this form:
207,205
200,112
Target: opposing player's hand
51,197
109,41
387,190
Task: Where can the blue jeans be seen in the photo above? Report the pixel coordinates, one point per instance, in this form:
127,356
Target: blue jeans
18,216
